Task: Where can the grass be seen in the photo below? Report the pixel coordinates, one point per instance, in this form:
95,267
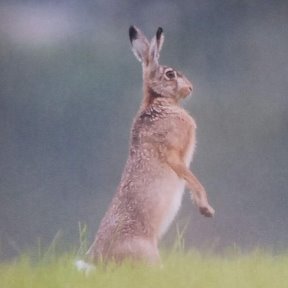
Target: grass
180,269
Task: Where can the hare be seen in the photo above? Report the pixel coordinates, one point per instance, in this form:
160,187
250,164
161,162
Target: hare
161,149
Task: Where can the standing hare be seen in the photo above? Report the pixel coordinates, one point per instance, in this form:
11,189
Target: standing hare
161,148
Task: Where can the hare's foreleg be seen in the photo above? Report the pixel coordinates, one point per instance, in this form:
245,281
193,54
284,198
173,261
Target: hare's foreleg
198,192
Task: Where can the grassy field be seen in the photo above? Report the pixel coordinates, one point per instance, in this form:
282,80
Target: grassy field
180,269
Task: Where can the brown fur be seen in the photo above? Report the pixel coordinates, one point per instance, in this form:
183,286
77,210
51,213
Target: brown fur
161,148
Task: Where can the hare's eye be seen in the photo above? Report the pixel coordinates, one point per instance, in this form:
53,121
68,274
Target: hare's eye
170,74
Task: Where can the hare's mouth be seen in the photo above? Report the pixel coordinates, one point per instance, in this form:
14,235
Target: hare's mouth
185,91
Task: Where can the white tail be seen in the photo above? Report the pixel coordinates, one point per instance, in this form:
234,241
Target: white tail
84,267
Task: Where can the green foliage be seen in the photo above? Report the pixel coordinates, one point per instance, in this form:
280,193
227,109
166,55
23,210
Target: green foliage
179,269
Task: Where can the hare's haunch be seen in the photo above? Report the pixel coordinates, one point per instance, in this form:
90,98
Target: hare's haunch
153,181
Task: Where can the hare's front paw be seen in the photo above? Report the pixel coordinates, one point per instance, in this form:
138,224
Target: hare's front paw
207,210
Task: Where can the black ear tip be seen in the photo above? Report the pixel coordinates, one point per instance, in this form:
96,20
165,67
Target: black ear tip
132,33
159,32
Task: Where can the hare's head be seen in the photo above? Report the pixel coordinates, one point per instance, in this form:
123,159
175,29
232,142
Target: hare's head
159,80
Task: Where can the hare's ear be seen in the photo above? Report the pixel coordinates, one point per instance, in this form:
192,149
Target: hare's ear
156,46
140,44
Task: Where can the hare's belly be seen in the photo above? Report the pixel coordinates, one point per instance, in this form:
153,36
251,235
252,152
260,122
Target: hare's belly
172,198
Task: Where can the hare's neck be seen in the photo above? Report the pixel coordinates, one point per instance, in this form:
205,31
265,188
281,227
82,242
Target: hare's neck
151,96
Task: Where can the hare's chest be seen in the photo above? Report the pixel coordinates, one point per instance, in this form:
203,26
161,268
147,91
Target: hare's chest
188,157
190,142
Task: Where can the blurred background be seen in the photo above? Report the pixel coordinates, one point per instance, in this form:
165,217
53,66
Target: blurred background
70,87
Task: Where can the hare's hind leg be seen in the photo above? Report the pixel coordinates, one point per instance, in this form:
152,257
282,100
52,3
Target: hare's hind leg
137,250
